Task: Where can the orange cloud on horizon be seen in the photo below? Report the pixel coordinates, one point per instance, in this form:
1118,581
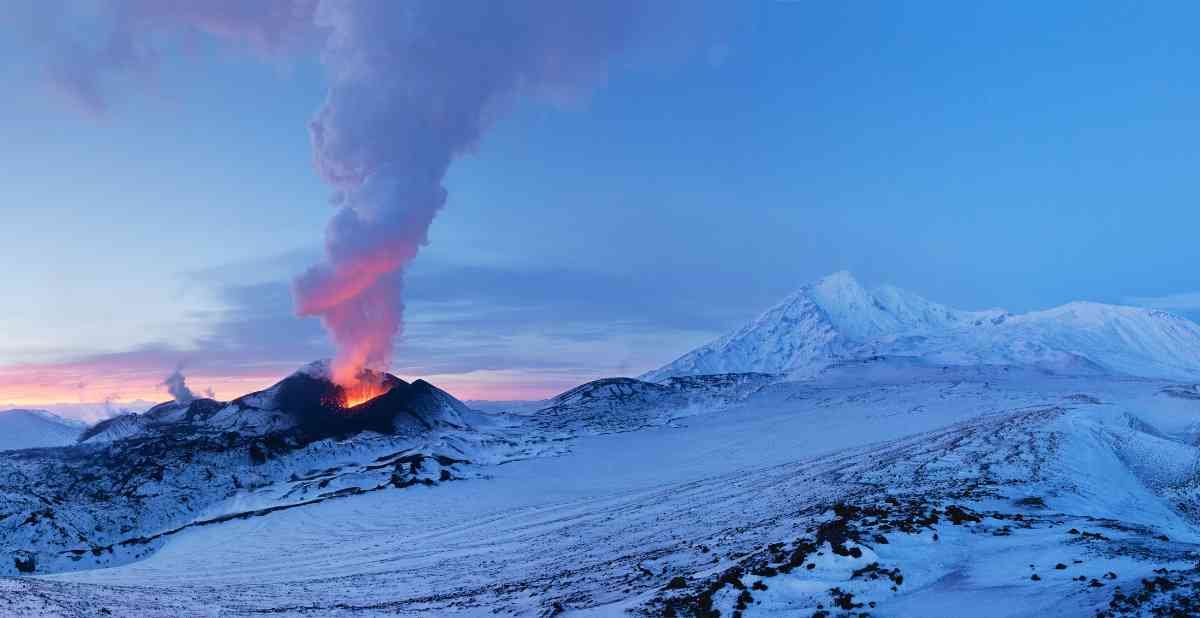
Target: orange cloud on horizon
106,380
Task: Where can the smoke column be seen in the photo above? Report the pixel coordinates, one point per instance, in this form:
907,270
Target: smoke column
177,386
413,85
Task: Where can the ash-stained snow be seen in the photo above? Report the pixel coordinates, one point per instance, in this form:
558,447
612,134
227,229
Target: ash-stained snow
890,487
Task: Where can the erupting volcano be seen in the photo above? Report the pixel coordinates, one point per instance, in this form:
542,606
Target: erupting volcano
413,86
362,390
346,394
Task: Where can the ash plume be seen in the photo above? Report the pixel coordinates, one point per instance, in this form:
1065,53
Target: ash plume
413,86
177,386
90,44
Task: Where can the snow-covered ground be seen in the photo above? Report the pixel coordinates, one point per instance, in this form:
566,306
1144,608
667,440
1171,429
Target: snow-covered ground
954,486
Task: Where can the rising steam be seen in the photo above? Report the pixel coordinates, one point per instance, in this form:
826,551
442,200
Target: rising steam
413,85
177,386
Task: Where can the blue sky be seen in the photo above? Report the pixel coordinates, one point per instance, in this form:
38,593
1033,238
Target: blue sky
1019,155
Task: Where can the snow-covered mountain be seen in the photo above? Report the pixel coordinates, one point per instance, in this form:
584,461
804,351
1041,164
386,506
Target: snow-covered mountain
36,429
836,319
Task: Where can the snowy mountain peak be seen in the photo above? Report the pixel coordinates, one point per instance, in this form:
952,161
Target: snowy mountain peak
863,314
21,429
836,319
820,323
840,284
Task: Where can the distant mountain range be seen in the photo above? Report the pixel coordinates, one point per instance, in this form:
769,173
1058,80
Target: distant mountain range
836,319
36,429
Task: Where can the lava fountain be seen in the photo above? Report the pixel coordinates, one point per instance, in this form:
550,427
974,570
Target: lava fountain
366,387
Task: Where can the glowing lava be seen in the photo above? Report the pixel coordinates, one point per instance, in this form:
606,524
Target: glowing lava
362,391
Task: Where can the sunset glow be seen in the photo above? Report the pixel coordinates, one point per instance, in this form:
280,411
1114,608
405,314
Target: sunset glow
533,307
97,383
75,383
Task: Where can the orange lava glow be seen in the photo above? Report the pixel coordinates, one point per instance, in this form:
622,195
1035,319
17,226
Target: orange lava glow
361,392
94,382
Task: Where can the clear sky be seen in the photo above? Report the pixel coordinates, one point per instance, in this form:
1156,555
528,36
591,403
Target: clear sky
1020,155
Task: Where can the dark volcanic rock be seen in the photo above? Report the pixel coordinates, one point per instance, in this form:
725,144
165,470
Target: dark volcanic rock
303,408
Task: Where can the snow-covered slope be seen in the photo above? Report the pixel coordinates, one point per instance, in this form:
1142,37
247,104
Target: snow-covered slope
136,480
836,319
35,429
624,404
888,487
892,485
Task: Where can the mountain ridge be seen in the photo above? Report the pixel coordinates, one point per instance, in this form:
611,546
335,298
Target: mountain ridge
24,428
837,319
